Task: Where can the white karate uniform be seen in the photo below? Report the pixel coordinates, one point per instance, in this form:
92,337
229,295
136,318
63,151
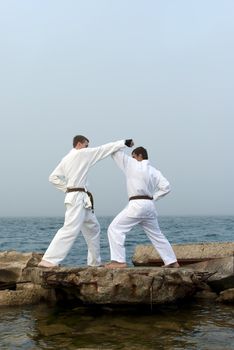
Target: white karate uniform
72,172
142,179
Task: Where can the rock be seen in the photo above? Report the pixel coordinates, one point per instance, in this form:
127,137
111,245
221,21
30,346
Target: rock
221,270
12,265
25,295
205,294
54,329
227,296
167,326
146,255
124,286
25,283
214,258
20,279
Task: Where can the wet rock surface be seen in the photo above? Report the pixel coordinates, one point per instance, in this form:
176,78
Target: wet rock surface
227,296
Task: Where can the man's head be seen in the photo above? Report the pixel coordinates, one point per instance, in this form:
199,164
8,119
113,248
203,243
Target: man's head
80,141
140,153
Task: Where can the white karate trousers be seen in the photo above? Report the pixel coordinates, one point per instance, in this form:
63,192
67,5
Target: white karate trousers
77,218
145,215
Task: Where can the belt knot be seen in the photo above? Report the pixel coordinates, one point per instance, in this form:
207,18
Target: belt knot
81,189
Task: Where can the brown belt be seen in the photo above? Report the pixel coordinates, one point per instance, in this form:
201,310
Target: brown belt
81,189
140,197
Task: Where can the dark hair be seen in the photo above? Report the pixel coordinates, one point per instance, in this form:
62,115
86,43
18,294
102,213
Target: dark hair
142,151
79,138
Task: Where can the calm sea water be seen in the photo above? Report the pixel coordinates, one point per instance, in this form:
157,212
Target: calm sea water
194,325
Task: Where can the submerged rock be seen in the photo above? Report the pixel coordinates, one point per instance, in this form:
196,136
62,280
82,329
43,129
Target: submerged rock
227,296
54,329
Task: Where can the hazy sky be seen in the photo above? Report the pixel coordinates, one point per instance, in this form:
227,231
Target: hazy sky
158,71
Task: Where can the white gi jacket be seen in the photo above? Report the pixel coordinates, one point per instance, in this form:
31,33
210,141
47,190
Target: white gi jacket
72,171
141,179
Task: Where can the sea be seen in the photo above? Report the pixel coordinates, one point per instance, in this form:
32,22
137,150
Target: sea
190,324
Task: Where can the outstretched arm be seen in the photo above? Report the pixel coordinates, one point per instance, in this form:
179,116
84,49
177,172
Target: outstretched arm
104,151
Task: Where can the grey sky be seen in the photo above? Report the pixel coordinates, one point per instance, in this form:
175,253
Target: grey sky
160,72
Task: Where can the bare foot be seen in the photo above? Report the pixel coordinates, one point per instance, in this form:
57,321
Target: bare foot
114,265
175,264
45,263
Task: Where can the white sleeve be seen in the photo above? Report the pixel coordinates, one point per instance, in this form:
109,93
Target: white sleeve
162,186
57,178
103,151
121,159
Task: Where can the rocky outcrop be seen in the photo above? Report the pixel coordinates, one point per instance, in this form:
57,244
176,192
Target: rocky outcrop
13,266
214,258
221,272
20,280
124,286
26,294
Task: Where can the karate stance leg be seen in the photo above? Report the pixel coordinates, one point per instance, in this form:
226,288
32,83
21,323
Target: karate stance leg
159,241
117,234
66,235
91,232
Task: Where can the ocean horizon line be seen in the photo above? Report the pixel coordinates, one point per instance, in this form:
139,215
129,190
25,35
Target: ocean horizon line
113,215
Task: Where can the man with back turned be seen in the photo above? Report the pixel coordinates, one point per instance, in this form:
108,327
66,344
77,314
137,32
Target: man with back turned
70,176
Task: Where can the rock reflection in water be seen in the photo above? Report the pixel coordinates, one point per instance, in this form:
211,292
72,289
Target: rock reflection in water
188,326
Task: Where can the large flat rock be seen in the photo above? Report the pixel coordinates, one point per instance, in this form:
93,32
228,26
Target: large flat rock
124,286
23,282
146,255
